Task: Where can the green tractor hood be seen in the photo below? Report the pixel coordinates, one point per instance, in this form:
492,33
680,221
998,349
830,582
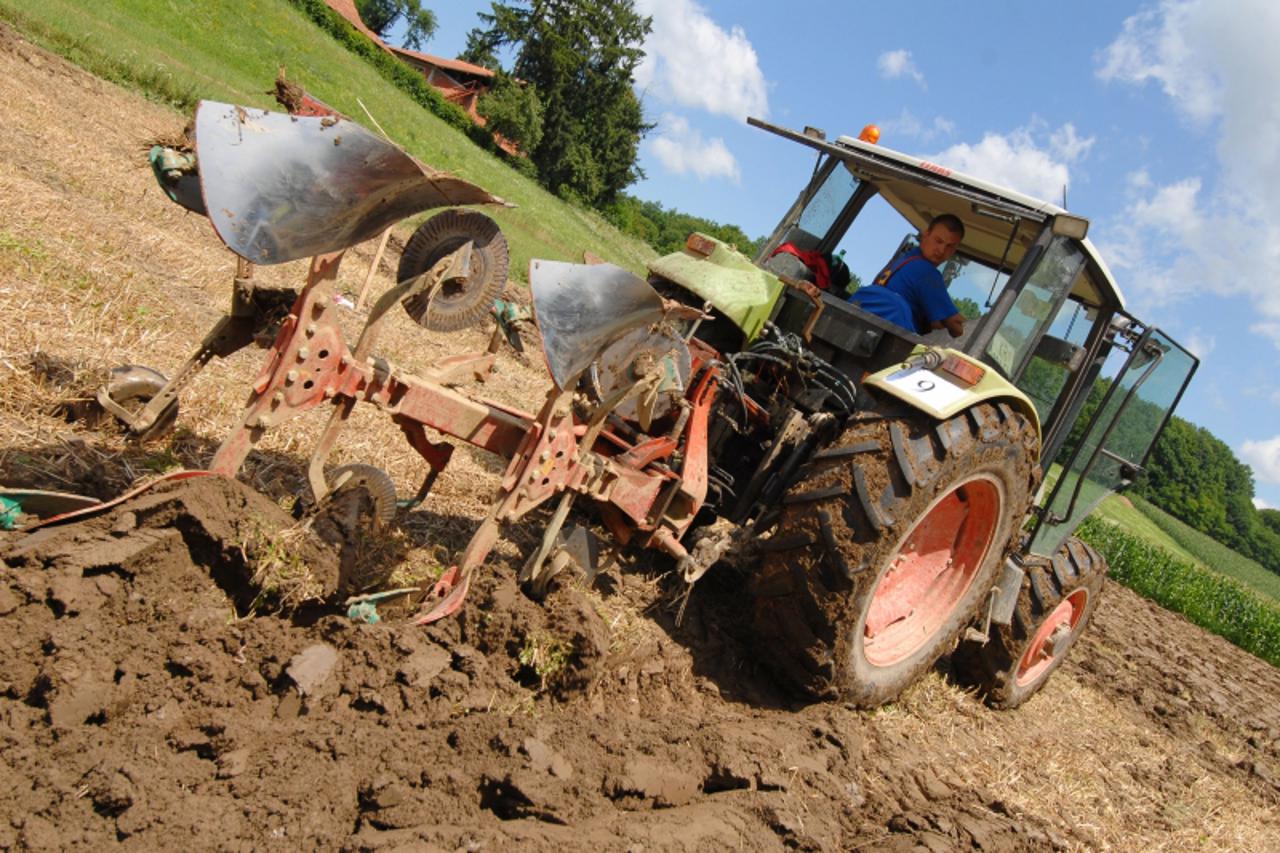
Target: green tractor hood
723,276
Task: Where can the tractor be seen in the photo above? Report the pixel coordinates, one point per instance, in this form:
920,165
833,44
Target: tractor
941,505
889,495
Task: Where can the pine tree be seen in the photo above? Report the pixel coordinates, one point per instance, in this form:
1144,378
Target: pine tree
513,111
579,56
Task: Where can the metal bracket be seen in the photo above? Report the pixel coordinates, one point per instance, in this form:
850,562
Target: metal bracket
1000,603
1009,587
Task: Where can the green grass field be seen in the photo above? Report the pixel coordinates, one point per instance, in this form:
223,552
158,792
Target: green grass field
1211,553
1181,569
1161,530
231,50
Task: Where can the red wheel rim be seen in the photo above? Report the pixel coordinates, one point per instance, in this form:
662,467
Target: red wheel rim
1050,642
931,571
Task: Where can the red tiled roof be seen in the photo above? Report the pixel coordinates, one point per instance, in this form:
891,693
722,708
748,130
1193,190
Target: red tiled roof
463,95
447,64
347,9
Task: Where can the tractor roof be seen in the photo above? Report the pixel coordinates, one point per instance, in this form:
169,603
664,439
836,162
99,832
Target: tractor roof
920,190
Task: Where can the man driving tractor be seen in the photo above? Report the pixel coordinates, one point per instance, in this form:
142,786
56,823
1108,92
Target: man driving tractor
910,291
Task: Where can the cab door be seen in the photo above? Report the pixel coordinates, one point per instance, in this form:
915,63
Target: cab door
1123,429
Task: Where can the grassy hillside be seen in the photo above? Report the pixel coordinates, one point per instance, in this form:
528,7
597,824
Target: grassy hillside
1210,599
1157,528
230,50
1209,552
1124,512
1161,530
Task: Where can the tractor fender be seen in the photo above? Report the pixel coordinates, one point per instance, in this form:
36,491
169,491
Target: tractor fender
944,382
717,273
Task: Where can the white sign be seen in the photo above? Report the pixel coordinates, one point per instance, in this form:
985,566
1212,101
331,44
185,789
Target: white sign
931,389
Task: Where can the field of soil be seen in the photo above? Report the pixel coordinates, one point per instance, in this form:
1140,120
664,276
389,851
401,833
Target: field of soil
146,702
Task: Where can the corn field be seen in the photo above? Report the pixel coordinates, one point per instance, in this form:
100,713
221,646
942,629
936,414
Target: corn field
1214,602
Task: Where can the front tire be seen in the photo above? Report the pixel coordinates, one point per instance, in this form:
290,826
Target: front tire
1057,599
888,546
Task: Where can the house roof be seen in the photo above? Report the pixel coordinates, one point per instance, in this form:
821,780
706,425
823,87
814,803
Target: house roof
347,9
447,64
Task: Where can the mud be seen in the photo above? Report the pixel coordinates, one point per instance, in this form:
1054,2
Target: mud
141,704
151,697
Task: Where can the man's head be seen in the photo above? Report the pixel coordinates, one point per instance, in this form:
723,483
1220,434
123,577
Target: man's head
941,239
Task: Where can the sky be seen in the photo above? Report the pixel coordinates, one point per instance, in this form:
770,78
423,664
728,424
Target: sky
1159,121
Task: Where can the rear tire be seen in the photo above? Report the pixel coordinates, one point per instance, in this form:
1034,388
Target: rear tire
887,547
1057,599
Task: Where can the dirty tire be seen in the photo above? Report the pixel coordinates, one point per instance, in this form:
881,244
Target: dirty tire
460,304
1056,594
375,481
132,387
837,614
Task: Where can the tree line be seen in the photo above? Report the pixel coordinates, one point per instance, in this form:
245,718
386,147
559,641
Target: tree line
667,230
1194,476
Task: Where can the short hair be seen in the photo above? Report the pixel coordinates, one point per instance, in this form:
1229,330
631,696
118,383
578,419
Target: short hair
950,220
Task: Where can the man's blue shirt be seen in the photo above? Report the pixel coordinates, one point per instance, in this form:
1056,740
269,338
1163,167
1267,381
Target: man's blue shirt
914,297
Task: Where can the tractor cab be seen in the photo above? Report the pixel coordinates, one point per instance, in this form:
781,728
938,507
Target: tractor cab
1043,312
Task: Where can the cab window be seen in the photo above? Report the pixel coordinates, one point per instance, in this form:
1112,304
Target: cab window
823,209
1036,305
1059,353
971,284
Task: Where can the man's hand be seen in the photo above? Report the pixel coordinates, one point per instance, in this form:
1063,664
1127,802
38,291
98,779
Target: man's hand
953,324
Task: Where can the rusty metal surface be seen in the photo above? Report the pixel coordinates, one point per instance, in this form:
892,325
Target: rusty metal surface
635,493
280,187
617,367
581,309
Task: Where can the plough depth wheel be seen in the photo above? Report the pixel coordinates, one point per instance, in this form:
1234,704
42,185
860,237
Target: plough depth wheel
456,304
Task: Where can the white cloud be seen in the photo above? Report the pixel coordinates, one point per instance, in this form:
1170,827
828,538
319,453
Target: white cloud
1172,210
1200,344
692,61
1259,503
1068,144
898,63
1218,65
683,151
1271,331
1139,180
1159,44
1021,159
1264,458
